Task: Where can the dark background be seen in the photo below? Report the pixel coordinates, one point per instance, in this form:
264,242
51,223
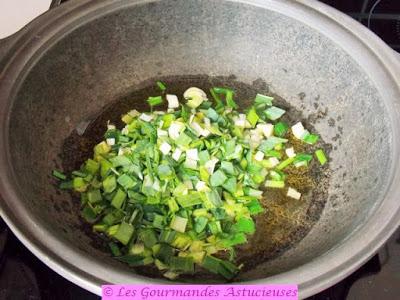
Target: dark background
23,276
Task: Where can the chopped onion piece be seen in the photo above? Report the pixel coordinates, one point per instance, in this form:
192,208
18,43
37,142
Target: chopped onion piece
197,128
175,129
172,101
240,123
177,154
298,130
191,163
134,113
299,164
146,117
292,193
161,132
259,156
201,186
210,165
192,154
205,133
125,130
195,96
207,121
273,161
189,184
290,152
165,148
156,185
110,141
266,129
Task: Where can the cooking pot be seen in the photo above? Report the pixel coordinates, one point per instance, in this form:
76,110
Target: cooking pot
71,64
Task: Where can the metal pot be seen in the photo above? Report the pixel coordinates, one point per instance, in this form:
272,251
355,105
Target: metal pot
67,65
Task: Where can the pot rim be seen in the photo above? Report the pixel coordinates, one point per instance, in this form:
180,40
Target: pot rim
313,276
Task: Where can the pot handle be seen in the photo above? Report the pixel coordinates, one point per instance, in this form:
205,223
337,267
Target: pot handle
6,44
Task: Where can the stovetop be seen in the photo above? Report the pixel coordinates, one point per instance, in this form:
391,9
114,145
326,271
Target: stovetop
23,276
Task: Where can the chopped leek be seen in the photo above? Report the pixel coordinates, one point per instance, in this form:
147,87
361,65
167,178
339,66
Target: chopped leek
161,86
172,188
321,156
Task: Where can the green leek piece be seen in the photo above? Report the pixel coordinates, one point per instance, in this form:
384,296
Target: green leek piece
154,101
92,166
167,236
102,148
245,225
252,117
113,217
182,264
204,157
79,174
114,249
183,140
164,172
120,160
280,129
321,156
79,184
165,253
136,260
118,199
217,99
219,213
124,233
200,224
126,181
181,241
229,100
158,221
236,239
105,168
270,143
273,113
59,175
230,185
285,163
311,138
161,86
178,223
212,114
263,99
255,207
227,269
167,120
66,185
302,157
211,264
198,197
275,184
273,153
218,178
89,214
189,200
109,184
214,198
173,206
148,237
227,167
215,227
94,196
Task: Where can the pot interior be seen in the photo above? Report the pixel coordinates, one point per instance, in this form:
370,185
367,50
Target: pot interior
75,83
